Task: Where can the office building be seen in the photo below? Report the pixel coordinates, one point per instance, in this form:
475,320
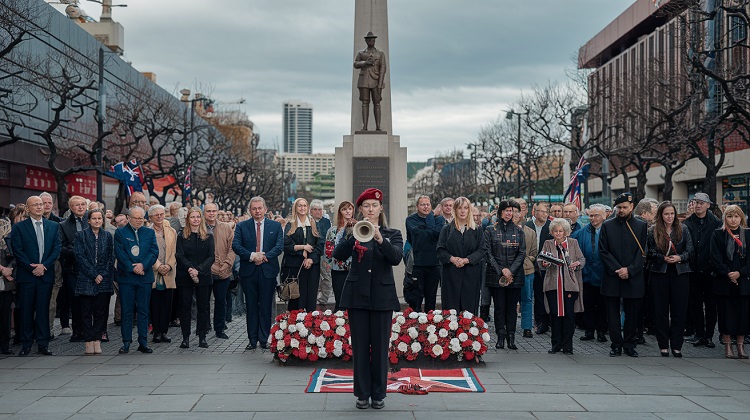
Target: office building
297,127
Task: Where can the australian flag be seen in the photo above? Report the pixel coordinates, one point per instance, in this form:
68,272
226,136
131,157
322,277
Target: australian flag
130,174
574,188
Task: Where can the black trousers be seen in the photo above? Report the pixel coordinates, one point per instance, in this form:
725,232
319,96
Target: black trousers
624,338
670,293
93,315
338,278
562,327
220,289
506,314
370,332
541,318
259,299
35,298
309,281
6,301
202,301
428,279
161,310
71,304
594,313
703,300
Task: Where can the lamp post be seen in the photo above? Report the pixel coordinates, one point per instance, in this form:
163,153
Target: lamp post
509,116
189,145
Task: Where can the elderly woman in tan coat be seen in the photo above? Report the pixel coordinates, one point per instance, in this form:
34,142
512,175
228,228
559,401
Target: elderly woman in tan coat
563,285
164,274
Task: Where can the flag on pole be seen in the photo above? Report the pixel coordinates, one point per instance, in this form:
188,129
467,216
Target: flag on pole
188,183
574,187
130,174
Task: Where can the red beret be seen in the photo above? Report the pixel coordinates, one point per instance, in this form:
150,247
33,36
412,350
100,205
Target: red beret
370,194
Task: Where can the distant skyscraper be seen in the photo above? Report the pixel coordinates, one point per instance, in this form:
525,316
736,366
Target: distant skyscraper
298,121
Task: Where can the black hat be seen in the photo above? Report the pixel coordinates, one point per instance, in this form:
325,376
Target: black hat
624,198
508,203
370,35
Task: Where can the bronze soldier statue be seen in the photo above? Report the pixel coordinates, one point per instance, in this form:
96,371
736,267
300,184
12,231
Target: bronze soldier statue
371,65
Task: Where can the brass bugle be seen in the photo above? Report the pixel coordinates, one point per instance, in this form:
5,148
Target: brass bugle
364,231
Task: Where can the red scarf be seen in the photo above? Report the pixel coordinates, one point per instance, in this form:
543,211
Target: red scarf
561,250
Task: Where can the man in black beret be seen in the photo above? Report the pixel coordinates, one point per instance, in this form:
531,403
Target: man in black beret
622,244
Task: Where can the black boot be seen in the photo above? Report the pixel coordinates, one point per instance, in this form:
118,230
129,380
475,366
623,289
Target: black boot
484,313
512,341
185,342
202,342
500,341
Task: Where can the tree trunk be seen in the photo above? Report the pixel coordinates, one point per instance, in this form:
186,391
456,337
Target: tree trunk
62,194
668,187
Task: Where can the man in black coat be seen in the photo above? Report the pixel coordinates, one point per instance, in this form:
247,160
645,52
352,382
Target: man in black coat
622,244
701,225
540,224
69,302
422,231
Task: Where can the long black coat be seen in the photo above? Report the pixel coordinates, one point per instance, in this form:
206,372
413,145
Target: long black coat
370,283
294,258
196,253
452,243
722,264
618,248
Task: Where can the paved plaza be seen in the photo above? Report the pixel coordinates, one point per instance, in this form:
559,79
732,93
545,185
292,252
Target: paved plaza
227,382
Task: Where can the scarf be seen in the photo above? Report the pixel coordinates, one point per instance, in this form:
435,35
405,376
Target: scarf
562,253
735,244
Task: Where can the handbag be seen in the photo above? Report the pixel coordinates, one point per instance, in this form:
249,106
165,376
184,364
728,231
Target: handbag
289,289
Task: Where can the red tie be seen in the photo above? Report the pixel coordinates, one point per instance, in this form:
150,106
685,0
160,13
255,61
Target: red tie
257,237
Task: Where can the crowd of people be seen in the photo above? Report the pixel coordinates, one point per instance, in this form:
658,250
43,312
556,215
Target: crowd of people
634,269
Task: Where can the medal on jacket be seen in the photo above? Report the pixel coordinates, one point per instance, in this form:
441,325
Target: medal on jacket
135,250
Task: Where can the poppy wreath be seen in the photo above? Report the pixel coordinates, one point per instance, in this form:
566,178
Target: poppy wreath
438,334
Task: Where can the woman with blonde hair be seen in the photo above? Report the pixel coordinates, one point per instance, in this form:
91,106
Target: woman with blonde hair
303,248
732,284
195,256
459,249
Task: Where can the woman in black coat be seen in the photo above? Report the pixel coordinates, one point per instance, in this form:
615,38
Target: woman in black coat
460,250
303,247
504,251
369,294
195,256
94,249
729,246
670,250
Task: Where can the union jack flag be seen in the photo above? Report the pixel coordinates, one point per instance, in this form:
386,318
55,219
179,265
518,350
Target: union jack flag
431,380
188,182
130,174
574,187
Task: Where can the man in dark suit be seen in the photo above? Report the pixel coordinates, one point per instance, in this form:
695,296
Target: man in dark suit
69,302
540,224
259,266
622,247
36,246
136,251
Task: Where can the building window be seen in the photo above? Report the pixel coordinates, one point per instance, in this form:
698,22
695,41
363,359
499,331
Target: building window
738,29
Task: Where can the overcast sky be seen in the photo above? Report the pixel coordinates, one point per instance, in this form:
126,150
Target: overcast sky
454,65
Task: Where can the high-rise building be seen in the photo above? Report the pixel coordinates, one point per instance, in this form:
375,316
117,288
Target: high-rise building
297,127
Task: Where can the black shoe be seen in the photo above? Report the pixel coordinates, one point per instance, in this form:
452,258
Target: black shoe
24,351
631,352
640,340
601,337
44,351
202,343
710,344
124,349
568,352
542,329
363,404
677,353
264,346
500,342
553,350
512,341
528,334
587,337
615,352
222,334
665,352
157,338
253,347
377,404
185,343
165,339
145,349
700,342
692,340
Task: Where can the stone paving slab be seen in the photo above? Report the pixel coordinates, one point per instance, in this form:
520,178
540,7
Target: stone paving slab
637,403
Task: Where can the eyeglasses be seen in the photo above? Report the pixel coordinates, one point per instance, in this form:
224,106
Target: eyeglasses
137,218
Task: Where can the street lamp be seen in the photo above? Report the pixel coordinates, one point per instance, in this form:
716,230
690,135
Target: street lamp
189,146
509,116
